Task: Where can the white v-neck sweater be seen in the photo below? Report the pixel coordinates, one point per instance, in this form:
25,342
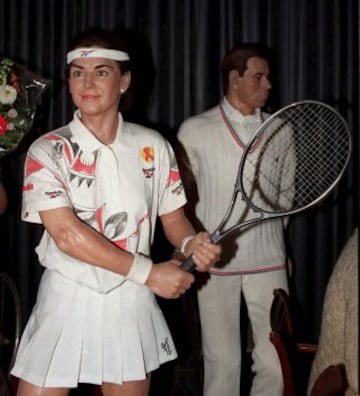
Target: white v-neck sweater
214,154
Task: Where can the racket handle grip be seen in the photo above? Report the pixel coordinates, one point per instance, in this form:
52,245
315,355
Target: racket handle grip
188,265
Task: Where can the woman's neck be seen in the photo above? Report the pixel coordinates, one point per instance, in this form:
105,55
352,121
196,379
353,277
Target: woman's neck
103,127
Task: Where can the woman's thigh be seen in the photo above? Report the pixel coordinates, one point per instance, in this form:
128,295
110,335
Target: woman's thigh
27,389
129,388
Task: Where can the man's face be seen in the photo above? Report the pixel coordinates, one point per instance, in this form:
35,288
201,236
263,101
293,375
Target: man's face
252,89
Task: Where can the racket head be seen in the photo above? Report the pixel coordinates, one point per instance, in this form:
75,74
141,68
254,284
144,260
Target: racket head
294,159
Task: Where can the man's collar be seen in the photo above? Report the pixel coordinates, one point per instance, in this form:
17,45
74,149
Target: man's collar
236,115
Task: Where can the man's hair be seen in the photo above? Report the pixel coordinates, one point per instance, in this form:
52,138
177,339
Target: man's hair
237,57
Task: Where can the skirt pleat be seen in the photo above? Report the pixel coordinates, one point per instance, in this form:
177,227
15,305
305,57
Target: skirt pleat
91,363
75,335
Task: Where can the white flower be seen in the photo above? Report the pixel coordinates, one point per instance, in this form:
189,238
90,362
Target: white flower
8,94
12,113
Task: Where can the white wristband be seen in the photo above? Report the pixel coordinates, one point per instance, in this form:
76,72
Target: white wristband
184,242
140,269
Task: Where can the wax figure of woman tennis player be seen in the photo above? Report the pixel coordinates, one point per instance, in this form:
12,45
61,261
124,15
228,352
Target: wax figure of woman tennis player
97,185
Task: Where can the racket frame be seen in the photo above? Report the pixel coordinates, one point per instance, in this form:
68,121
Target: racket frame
219,234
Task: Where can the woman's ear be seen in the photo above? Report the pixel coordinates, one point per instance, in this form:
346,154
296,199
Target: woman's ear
125,82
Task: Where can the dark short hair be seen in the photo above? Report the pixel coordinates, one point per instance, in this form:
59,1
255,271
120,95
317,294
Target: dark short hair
96,36
237,57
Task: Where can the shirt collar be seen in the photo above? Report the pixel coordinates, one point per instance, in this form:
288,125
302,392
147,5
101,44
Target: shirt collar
235,115
89,142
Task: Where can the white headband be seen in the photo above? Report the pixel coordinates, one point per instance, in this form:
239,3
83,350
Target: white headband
96,53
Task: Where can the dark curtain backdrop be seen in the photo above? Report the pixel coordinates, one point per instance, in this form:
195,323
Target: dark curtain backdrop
177,46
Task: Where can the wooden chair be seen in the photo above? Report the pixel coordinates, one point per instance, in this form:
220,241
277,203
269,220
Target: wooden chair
331,382
295,358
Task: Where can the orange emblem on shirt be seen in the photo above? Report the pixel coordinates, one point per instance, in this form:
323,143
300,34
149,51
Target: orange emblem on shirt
147,154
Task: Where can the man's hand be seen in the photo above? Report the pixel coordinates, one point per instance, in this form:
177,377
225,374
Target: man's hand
204,253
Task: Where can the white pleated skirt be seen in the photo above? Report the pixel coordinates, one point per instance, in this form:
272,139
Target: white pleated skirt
75,335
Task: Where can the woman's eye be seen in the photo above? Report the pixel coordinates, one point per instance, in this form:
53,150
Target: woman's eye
77,73
102,73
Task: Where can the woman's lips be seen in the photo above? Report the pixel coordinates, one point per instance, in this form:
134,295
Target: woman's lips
89,97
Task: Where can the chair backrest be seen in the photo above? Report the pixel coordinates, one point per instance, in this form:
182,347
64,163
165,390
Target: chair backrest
295,357
282,337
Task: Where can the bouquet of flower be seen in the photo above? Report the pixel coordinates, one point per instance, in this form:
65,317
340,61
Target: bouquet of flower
20,90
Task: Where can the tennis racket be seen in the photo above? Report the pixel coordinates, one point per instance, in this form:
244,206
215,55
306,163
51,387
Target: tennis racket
294,159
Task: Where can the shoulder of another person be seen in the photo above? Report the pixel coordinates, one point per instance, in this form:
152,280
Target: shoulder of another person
201,120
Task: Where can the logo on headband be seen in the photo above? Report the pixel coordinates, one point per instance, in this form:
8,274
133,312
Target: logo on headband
97,53
85,53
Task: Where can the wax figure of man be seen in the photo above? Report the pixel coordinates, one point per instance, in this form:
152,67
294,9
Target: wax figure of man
253,262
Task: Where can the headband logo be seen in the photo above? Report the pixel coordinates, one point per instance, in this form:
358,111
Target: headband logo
97,53
85,53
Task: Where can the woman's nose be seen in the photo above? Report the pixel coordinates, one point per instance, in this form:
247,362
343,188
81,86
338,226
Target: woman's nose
89,80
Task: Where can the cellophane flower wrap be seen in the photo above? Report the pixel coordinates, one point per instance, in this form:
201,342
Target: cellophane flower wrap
20,90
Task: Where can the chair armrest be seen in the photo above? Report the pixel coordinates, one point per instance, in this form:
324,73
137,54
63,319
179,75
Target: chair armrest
306,348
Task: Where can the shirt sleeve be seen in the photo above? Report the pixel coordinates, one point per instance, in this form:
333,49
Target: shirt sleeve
172,195
44,184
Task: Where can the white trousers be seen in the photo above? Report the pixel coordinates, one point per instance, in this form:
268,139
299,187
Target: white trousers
219,306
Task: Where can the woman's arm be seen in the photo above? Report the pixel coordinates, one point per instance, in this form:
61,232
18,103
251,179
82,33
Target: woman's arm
79,240
177,227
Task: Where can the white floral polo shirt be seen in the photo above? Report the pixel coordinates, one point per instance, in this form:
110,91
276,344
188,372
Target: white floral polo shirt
117,189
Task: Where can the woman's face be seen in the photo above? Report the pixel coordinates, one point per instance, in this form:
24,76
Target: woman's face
96,85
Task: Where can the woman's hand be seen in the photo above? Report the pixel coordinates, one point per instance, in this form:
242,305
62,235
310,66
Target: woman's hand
167,280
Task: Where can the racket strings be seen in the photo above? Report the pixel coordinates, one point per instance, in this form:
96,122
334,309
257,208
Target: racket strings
322,153
303,152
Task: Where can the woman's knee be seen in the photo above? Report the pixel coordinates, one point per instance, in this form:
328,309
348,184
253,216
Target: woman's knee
129,388
27,389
